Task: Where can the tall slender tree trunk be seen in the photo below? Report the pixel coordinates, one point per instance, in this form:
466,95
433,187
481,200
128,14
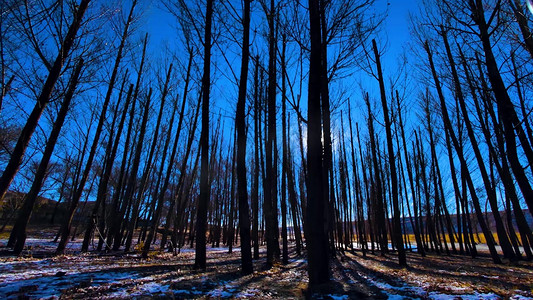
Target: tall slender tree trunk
189,143
521,19
376,186
119,187
271,197
240,124
316,232
117,210
357,191
102,187
397,228
523,109
201,218
408,166
284,163
159,197
65,229
102,192
255,189
503,167
326,128
293,197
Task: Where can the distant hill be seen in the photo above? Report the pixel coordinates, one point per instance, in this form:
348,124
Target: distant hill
489,217
45,209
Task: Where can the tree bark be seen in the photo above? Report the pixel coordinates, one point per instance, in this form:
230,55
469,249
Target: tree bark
397,228
255,187
201,217
240,124
316,231
271,197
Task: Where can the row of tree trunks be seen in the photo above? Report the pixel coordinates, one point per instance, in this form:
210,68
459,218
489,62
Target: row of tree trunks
119,204
23,141
17,237
510,121
464,166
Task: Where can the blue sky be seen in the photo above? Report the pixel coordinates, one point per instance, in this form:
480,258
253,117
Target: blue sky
396,27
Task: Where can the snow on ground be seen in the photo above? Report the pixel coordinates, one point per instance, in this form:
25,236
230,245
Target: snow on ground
398,292
164,275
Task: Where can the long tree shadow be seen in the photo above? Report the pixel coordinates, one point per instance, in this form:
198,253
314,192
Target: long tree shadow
442,273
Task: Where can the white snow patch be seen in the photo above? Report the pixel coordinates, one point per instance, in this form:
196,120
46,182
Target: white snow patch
398,292
50,285
224,291
520,297
248,293
193,291
338,297
475,296
220,294
154,288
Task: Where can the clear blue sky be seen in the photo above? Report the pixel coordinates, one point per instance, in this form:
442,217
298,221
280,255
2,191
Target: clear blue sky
396,27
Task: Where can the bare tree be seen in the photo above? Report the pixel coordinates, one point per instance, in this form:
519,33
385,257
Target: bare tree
316,235
201,218
55,71
18,233
240,124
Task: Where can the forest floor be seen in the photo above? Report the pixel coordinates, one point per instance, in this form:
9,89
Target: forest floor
38,274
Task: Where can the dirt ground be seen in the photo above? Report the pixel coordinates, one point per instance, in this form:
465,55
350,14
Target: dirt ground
37,274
